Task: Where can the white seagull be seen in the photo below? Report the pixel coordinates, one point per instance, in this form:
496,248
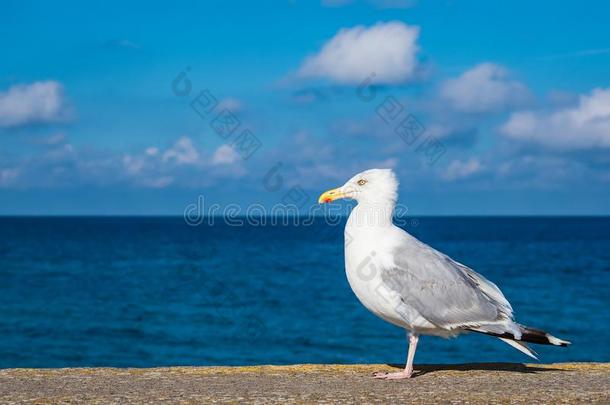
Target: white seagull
410,284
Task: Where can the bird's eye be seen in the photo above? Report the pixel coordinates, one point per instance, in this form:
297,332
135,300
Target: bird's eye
361,182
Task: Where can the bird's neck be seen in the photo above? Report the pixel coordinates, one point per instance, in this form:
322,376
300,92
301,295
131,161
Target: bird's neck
377,214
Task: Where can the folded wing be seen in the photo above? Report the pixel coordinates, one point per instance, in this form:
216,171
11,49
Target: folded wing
443,291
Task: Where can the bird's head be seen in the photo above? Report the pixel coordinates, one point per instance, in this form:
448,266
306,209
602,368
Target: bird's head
376,186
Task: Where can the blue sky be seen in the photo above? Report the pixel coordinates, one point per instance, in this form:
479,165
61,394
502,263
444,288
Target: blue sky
510,104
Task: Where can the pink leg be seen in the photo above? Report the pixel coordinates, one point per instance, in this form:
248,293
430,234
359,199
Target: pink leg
406,373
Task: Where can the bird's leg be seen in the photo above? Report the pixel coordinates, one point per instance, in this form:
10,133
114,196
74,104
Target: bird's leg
406,373
413,339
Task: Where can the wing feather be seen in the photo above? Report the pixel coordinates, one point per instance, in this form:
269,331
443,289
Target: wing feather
443,291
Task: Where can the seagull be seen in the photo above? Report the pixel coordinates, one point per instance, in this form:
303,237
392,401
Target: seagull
414,286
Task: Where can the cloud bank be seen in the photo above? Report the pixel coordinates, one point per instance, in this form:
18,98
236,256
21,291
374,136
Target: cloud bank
584,126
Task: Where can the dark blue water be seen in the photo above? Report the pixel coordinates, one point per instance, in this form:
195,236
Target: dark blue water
154,291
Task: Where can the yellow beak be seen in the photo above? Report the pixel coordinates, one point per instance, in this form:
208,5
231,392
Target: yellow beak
331,195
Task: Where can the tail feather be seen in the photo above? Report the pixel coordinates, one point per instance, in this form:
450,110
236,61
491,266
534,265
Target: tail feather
529,335
541,337
522,347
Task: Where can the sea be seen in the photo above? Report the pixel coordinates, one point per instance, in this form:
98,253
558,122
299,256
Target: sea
159,291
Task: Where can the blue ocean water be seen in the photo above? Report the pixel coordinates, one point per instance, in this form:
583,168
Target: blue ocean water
119,291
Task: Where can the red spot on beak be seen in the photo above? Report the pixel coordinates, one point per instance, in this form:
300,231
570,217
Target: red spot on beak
328,199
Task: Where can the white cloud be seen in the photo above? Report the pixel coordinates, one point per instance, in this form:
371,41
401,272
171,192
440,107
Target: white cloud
183,152
37,102
387,50
150,168
152,151
486,87
225,154
462,169
585,125
181,164
231,104
133,164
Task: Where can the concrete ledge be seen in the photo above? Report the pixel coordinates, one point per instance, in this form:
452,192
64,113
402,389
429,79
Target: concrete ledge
467,383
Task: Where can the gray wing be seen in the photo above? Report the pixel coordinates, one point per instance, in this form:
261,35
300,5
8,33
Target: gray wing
443,291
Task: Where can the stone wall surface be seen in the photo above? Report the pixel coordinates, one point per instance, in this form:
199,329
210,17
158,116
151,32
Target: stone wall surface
467,384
